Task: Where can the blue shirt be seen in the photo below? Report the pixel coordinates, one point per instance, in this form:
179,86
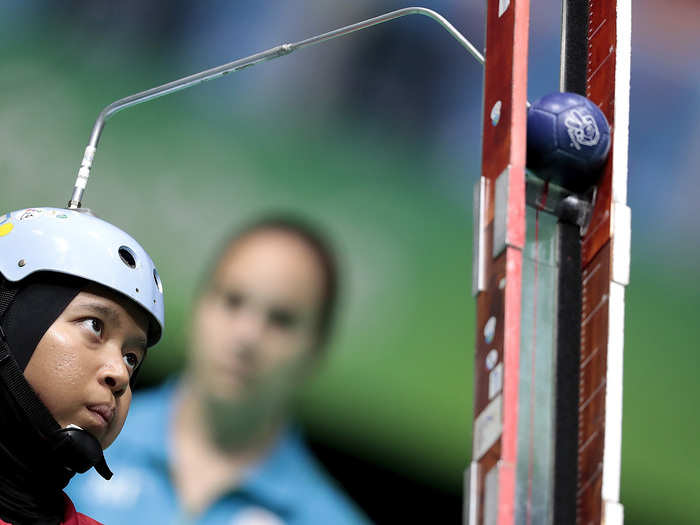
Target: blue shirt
287,487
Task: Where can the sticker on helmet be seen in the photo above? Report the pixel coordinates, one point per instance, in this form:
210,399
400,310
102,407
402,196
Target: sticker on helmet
57,213
30,213
5,228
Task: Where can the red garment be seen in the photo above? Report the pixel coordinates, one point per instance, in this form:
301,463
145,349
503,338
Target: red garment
71,516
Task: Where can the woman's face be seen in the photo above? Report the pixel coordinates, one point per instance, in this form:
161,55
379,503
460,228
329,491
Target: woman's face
82,365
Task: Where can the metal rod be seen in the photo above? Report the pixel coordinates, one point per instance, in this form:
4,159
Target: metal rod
237,65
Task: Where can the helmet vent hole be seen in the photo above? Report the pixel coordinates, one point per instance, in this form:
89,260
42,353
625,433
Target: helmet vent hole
127,256
159,284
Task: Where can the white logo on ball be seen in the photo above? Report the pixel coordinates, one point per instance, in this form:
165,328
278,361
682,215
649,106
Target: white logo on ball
582,128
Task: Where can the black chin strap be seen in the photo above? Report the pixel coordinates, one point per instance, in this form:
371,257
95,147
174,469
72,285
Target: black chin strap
77,449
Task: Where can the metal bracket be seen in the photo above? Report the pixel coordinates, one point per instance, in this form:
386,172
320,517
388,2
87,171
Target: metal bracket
471,494
621,242
491,495
479,237
500,215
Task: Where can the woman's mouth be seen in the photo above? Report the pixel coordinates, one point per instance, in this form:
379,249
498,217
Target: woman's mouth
103,414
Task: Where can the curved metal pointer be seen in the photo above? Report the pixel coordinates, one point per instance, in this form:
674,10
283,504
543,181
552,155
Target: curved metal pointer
237,65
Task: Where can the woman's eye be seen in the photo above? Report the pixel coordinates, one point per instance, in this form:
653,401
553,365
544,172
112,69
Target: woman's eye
131,360
94,325
282,318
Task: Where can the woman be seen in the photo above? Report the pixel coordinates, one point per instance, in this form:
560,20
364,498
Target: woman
80,302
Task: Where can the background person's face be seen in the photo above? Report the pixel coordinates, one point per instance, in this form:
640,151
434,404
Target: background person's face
82,365
255,326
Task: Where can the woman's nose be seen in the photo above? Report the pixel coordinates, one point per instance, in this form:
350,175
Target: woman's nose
114,373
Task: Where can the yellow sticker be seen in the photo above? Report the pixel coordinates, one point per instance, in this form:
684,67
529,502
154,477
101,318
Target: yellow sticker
6,228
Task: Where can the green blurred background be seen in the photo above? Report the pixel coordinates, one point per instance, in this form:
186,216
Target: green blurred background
376,139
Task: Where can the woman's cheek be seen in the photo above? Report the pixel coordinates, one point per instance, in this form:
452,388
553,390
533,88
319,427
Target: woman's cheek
60,371
68,368
65,347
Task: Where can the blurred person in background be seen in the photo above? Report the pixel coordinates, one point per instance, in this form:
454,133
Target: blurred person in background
216,445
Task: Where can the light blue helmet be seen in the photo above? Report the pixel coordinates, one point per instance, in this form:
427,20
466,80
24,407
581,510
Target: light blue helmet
77,243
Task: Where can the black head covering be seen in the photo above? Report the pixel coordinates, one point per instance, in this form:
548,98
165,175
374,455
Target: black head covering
39,302
31,480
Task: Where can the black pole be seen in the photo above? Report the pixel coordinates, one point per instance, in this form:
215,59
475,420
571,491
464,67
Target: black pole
569,294
567,362
575,46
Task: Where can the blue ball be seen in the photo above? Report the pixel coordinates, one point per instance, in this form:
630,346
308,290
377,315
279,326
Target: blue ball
568,140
